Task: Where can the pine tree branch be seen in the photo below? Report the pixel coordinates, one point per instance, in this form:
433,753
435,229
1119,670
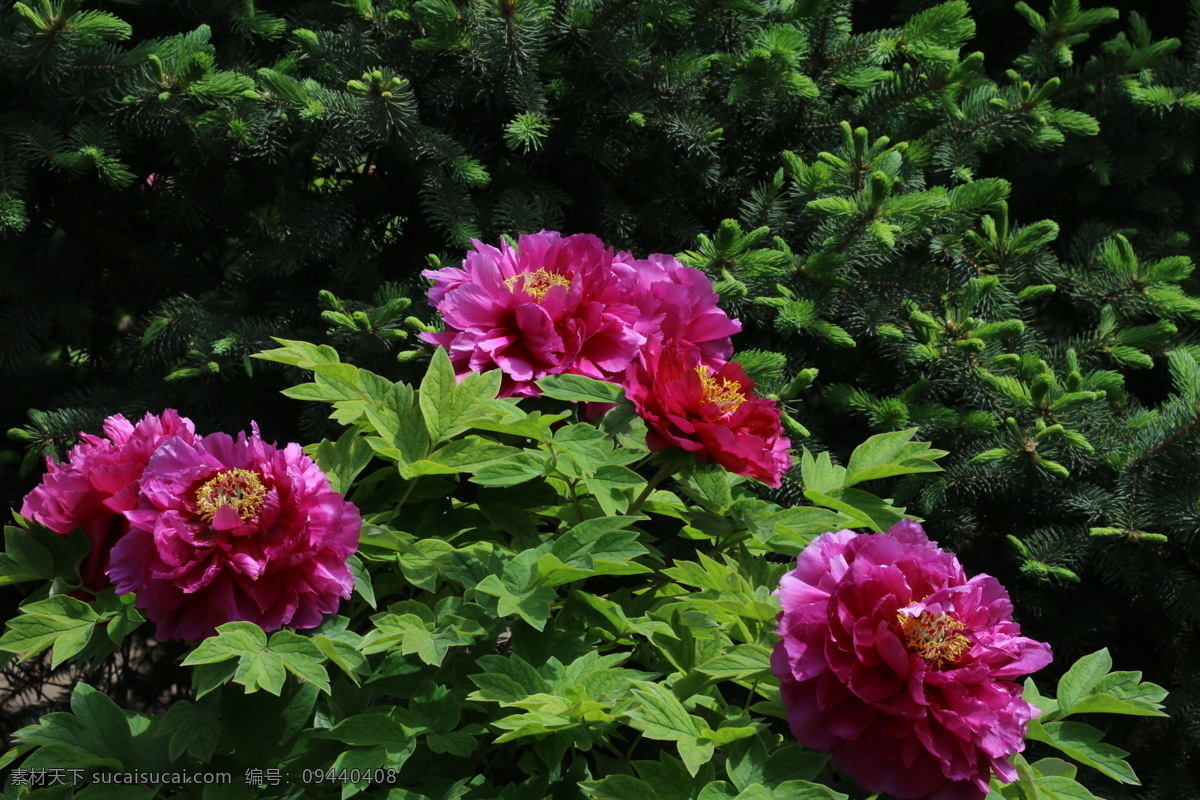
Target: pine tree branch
610,12
1175,436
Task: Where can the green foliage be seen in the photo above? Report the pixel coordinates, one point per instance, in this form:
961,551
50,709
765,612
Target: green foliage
1087,687
604,632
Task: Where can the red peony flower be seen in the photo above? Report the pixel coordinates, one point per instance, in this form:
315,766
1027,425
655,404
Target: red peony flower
229,530
709,410
99,481
901,667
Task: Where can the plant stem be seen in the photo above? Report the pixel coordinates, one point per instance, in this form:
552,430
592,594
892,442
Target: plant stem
667,468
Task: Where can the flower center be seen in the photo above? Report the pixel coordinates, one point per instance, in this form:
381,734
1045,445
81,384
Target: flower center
725,393
537,283
240,489
934,636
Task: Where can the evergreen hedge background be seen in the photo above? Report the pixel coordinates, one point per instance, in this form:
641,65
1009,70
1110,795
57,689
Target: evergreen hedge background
975,218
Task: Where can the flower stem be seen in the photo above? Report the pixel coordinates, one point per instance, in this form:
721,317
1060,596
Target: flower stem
407,491
667,468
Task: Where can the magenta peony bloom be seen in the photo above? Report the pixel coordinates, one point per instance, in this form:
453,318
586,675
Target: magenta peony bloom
710,411
684,308
559,304
901,667
231,530
99,481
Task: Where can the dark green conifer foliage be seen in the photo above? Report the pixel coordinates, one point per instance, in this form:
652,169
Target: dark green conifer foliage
971,218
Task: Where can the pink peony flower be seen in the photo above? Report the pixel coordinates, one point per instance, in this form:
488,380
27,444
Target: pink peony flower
98,482
684,308
231,530
559,304
901,667
709,411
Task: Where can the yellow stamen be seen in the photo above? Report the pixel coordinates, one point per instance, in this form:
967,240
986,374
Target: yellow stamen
725,393
536,284
239,489
934,636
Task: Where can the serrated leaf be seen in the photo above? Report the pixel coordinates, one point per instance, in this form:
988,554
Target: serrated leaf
232,640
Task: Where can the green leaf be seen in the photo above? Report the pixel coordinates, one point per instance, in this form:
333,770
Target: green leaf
820,474
1078,682
38,553
695,753
346,656
302,657
1054,787
1082,743
504,416
194,729
59,621
1055,766
506,679
580,450
1122,693
865,509
343,460
804,790
619,787
232,640
532,604
711,486
519,468
446,404
24,558
261,665
210,677
743,662
747,764
95,733
469,454
369,729
660,714
888,454
580,389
